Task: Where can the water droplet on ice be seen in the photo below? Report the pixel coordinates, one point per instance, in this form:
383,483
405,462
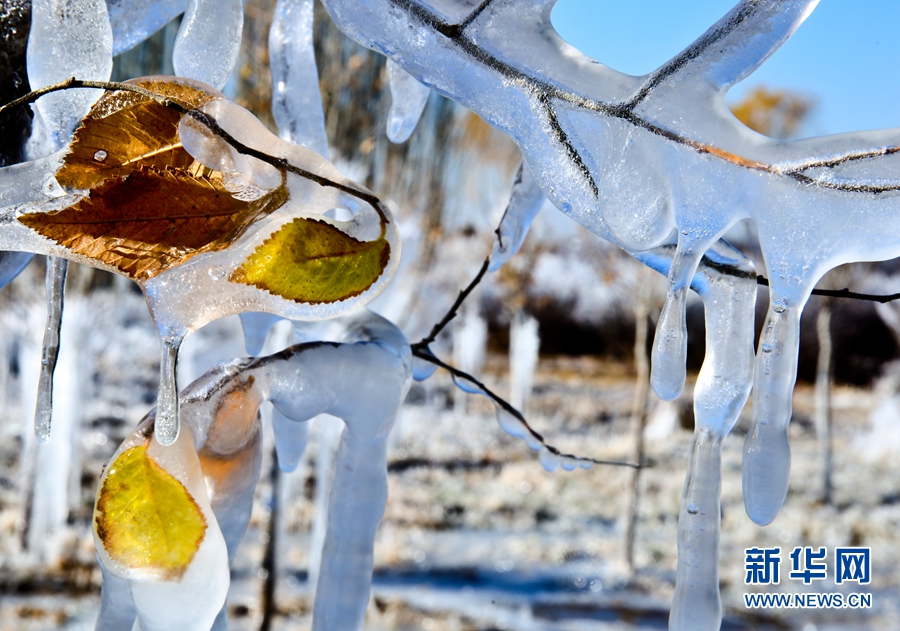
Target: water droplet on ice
549,460
217,272
692,509
767,348
779,306
569,463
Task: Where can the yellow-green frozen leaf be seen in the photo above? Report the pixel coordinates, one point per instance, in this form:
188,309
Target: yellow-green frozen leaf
146,518
308,260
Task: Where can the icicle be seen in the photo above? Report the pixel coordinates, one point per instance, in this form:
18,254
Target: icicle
697,605
133,21
767,451
290,440
296,100
721,391
256,327
68,38
329,436
668,360
469,344
56,285
209,40
525,202
524,344
167,423
355,506
408,99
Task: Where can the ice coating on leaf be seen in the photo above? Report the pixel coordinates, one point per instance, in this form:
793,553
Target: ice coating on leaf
408,99
133,21
209,40
259,263
296,99
195,593
525,202
221,440
30,181
68,38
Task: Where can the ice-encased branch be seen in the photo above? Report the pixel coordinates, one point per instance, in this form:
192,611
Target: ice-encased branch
223,438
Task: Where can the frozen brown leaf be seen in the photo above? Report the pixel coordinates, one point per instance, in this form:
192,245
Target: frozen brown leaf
151,219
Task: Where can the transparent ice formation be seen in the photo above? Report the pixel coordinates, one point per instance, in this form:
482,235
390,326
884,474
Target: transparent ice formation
296,100
221,424
658,165
187,296
655,164
67,37
525,203
209,40
408,99
133,21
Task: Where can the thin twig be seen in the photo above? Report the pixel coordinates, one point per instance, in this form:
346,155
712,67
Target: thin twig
426,355
842,293
452,313
269,563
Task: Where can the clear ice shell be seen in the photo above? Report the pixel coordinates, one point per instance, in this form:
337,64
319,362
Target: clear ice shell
296,99
408,99
209,40
525,201
256,327
133,21
68,38
290,441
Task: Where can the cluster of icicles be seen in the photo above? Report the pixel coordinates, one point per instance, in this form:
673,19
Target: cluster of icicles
655,164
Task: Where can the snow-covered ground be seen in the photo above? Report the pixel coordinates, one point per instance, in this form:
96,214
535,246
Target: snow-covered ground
476,534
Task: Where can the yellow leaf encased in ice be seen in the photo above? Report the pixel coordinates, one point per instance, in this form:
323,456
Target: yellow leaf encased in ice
311,261
146,518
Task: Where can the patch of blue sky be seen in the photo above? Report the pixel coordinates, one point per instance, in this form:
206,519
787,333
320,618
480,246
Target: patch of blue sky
846,56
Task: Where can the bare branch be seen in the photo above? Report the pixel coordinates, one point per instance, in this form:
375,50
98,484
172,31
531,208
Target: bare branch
454,308
423,353
841,293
